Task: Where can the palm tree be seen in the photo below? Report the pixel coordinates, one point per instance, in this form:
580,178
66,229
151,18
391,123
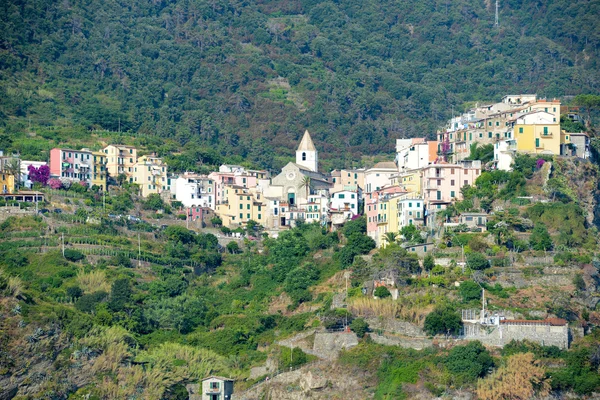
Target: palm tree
13,167
390,237
307,184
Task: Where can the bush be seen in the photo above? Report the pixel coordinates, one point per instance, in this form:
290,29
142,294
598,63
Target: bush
382,292
443,320
477,261
467,363
74,255
289,358
428,262
469,291
87,303
74,292
360,327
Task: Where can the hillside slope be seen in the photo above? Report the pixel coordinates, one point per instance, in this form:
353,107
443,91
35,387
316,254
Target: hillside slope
358,74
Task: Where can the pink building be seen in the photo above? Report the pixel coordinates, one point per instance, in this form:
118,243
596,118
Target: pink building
74,165
234,175
443,181
372,201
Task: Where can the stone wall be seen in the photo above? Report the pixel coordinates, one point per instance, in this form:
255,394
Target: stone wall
499,336
409,343
395,326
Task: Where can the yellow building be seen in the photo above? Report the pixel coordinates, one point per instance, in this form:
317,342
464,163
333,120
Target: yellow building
150,173
348,179
241,205
409,181
7,183
120,160
387,218
537,133
99,170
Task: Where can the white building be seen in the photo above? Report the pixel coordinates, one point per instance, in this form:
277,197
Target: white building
25,169
414,153
379,176
504,152
195,191
344,200
316,209
410,212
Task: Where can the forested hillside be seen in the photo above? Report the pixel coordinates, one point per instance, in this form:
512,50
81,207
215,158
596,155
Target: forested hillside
356,73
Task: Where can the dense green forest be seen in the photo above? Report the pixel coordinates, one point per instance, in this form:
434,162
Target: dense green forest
242,77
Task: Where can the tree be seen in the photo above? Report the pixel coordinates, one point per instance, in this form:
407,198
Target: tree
120,294
589,102
579,282
467,363
477,261
428,262
382,292
520,378
306,183
469,291
74,255
540,238
13,167
443,320
216,221
233,247
390,237
360,327
154,202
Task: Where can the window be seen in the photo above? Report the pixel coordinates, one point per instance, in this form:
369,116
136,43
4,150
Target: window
418,204
480,135
497,123
451,171
352,206
520,129
241,206
241,216
439,182
418,214
341,196
545,130
303,156
352,195
248,216
466,182
490,123
537,142
567,137
452,194
439,195
489,135
131,160
247,206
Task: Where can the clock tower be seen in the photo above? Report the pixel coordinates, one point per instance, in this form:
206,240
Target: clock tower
306,155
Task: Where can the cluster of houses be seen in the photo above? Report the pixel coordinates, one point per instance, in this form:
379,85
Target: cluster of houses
426,176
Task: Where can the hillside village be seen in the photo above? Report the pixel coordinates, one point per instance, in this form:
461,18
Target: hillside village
425,177
377,282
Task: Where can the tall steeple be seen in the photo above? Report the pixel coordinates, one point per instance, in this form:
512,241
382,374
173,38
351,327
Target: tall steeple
307,155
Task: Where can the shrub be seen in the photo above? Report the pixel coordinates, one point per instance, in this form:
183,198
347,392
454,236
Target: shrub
469,290
87,303
467,363
443,320
74,292
382,292
289,358
360,327
428,262
74,255
477,261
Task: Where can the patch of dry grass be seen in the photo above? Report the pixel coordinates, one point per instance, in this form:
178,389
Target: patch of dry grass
93,281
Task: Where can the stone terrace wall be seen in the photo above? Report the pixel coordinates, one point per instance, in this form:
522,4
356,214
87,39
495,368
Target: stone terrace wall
499,336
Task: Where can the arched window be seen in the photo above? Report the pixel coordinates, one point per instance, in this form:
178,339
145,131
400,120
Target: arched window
303,156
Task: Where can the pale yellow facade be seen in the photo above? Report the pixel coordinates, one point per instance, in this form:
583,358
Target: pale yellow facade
120,160
387,219
240,206
98,174
409,181
348,179
538,139
150,173
7,183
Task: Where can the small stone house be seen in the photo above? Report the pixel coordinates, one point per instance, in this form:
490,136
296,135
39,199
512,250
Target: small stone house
217,388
